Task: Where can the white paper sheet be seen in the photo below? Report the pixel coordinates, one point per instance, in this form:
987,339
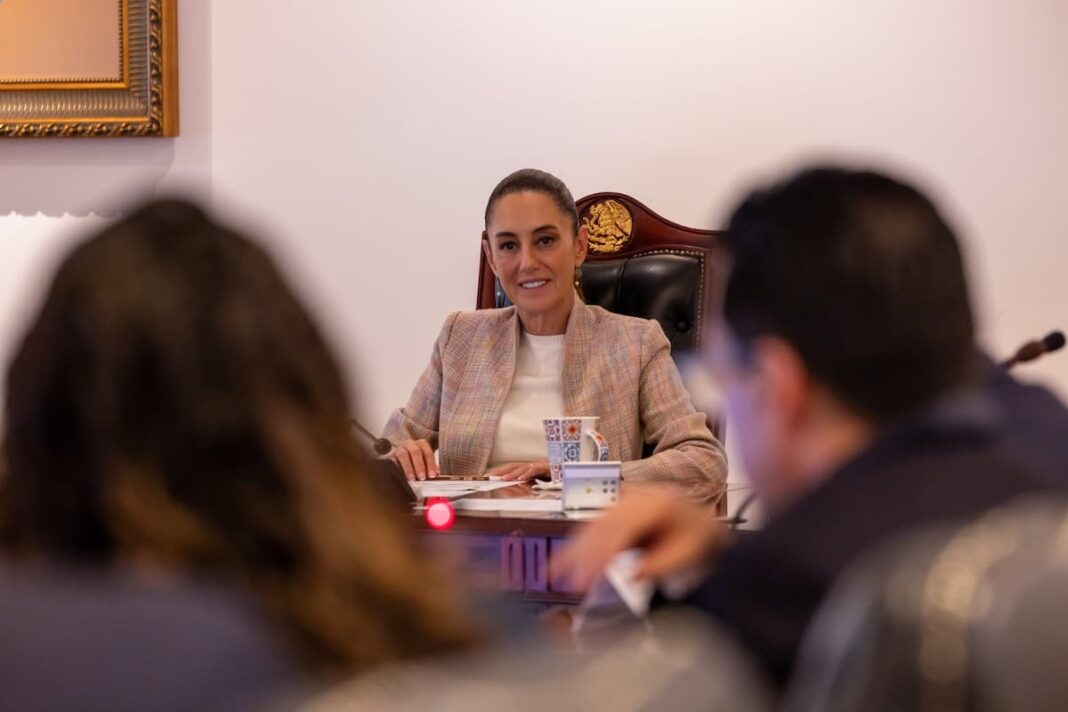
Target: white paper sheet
584,514
514,504
620,573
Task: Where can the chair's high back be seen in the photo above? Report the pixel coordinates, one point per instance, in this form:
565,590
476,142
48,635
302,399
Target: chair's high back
639,264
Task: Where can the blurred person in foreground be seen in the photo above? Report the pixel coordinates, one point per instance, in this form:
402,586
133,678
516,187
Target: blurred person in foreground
687,663
845,349
185,520
949,618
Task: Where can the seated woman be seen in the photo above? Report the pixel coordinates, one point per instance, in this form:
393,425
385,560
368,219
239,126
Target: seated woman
494,374
185,520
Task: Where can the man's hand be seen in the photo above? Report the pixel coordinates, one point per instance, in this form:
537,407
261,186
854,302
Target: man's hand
521,471
676,535
416,458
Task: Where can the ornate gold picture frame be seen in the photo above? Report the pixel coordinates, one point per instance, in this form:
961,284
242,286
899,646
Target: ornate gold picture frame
66,70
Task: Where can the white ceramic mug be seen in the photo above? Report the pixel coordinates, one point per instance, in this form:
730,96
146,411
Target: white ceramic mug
573,439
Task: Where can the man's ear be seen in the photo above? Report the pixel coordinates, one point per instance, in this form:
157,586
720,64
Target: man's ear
582,245
785,381
488,252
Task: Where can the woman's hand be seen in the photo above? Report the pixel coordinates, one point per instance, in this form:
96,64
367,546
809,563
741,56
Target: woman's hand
416,458
521,471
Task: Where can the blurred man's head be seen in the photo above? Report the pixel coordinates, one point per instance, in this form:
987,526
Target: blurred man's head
846,308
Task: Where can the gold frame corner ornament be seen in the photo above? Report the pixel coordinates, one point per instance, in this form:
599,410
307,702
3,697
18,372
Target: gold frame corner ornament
143,103
609,225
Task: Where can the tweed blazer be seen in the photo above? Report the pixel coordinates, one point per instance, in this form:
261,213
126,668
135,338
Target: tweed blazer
616,367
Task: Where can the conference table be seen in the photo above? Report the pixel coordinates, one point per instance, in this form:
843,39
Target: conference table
500,549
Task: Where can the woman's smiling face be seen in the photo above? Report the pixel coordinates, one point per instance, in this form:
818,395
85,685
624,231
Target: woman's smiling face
533,248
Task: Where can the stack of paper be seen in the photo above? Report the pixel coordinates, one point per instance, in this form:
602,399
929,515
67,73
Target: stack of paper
455,488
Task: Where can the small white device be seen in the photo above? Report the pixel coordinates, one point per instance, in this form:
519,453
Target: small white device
591,485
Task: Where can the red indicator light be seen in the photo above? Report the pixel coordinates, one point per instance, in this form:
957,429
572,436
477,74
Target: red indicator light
439,513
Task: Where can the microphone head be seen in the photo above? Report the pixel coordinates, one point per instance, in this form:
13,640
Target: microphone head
1053,341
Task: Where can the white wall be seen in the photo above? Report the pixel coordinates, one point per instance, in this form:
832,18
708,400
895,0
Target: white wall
53,191
364,137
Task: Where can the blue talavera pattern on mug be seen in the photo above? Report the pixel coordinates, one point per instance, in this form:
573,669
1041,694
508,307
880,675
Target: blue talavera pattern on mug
572,451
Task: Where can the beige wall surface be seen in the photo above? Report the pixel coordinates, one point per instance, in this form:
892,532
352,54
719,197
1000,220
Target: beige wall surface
362,139
49,40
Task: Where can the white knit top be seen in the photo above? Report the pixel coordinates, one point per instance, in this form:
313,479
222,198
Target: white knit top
537,392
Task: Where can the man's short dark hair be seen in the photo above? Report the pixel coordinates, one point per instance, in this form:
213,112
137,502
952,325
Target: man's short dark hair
861,274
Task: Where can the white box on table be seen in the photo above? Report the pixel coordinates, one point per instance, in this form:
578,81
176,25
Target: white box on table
591,485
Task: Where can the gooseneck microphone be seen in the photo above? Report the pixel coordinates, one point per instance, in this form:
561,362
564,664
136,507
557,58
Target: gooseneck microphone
1054,340
381,446
739,514
387,475
1051,342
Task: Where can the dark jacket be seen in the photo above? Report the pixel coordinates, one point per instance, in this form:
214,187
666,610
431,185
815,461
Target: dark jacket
94,640
952,464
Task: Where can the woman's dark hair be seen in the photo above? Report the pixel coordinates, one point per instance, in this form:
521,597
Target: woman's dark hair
861,274
533,180
173,404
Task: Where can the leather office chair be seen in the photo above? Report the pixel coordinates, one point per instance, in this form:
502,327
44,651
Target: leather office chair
641,264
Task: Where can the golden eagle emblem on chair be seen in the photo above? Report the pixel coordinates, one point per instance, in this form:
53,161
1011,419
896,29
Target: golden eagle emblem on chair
609,224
